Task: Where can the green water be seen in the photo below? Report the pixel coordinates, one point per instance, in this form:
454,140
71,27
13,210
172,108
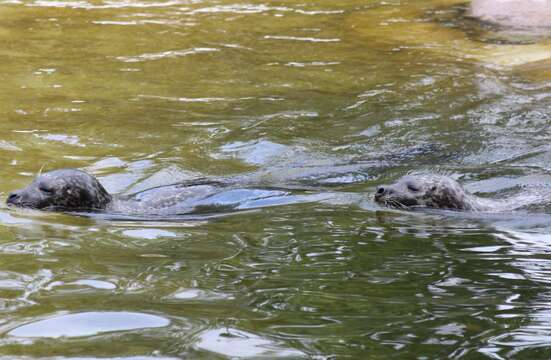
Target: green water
335,96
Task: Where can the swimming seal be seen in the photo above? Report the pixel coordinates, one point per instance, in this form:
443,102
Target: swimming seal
72,190
442,192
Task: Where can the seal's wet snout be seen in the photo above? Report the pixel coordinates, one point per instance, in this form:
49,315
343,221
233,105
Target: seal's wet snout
383,191
14,198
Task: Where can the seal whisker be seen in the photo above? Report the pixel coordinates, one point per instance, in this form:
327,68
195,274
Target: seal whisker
397,204
42,168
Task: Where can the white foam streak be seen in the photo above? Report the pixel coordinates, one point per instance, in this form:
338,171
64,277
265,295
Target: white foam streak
298,38
166,54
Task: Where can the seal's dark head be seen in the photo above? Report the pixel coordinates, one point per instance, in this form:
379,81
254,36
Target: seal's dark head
431,190
62,190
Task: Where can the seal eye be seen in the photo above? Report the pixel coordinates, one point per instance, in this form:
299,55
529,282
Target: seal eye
46,190
413,188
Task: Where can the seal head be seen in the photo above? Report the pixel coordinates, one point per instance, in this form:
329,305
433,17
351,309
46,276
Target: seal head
432,191
65,190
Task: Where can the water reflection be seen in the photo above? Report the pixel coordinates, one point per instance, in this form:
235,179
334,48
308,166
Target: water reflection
89,323
526,253
236,343
200,295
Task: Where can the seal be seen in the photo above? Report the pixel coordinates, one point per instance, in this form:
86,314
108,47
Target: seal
442,192
71,190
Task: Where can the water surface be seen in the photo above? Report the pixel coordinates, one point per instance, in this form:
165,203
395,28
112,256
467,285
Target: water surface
320,96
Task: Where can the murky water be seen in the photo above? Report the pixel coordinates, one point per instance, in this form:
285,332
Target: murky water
327,97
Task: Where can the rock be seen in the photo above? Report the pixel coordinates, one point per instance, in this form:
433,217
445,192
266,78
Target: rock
514,13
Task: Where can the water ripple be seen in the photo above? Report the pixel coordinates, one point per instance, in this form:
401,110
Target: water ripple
105,5
298,38
166,54
256,9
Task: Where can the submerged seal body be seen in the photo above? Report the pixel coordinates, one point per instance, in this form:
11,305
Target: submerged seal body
442,192
72,190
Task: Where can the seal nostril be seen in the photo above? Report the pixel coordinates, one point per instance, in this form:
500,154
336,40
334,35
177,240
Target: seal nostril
13,197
